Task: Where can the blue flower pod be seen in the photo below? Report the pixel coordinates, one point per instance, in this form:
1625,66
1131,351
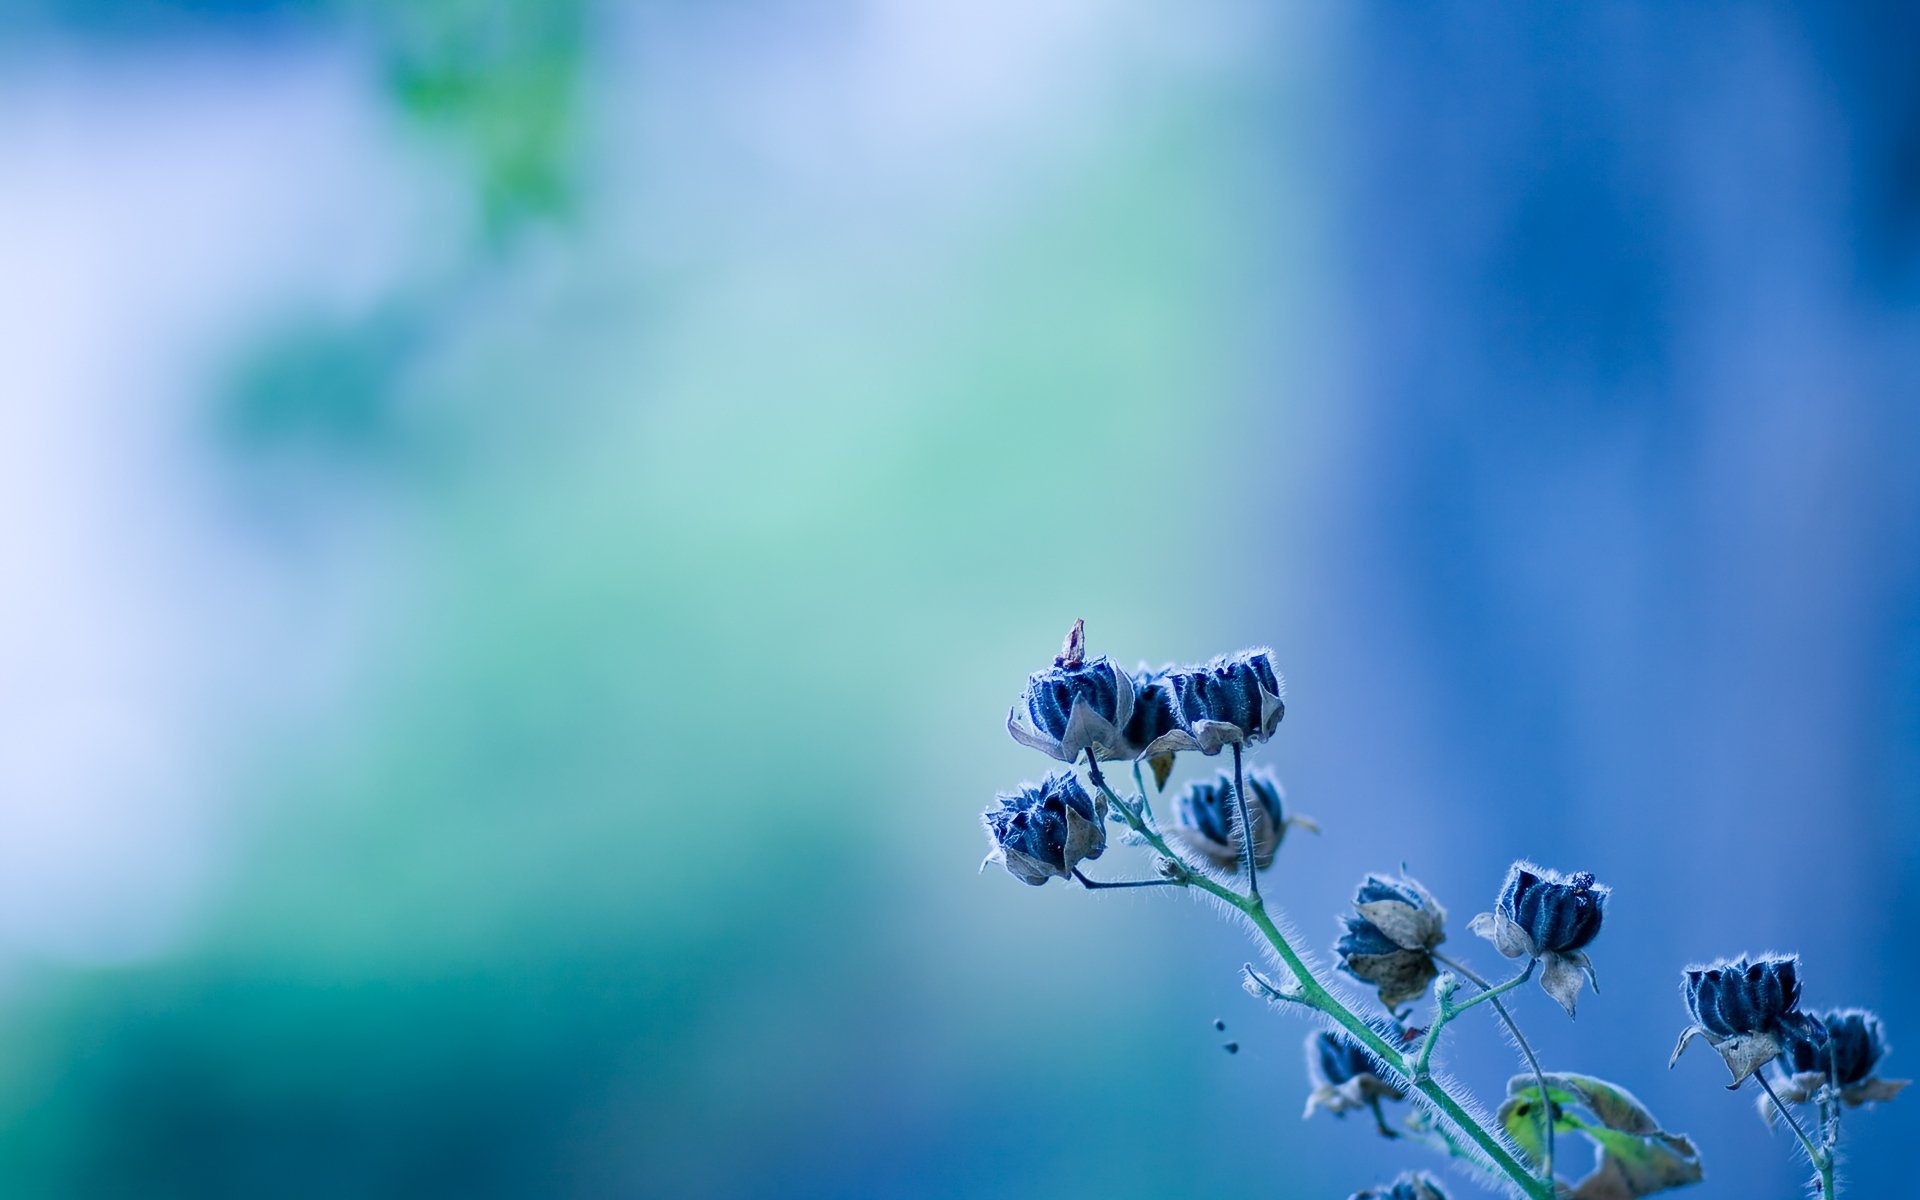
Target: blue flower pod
1235,699
1844,1053
1071,708
1855,1039
1344,1074
1043,831
1204,815
1747,1010
1334,1058
1390,937
1732,998
1560,913
1543,915
1156,723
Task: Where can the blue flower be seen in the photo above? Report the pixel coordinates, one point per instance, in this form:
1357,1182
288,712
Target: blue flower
1550,917
1345,1074
1853,1044
1390,939
1043,831
1746,1011
1204,817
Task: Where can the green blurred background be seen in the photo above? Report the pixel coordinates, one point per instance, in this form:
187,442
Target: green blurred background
520,522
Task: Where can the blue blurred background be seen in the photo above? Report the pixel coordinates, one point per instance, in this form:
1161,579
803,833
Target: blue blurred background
520,521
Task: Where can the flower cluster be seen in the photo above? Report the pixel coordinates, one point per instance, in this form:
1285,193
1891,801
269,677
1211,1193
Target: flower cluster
1748,1009
1079,706
1088,706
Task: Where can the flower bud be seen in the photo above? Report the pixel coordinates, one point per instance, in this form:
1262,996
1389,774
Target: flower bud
1544,915
1407,1186
1851,1044
1204,817
1389,942
1746,1010
1345,1074
1043,831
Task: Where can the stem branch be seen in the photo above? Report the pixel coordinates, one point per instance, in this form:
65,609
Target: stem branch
1315,994
1526,1048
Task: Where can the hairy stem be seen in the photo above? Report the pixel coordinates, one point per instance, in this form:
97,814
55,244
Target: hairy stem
1526,1048
1246,827
1821,1160
1315,994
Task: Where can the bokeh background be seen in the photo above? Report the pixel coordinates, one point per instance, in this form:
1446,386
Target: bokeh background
520,521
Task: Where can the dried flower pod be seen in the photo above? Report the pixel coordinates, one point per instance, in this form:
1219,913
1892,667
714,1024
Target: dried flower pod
1204,815
1389,941
1235,699
1345,1075
1043,831
1544,915
1746,1010
1073,707
1156,726
1854,1045
1408,1186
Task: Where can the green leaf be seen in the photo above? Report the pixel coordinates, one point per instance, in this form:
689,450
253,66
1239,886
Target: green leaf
1634,1165
1636,1157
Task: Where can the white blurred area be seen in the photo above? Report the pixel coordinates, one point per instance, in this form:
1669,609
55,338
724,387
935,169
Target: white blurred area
155,206
164,202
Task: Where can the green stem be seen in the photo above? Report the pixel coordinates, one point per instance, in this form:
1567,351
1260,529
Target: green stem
1526,1049
1314,993
1822,1161
1447,1010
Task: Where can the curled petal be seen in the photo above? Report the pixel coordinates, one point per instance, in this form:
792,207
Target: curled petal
1506,935
1743,1053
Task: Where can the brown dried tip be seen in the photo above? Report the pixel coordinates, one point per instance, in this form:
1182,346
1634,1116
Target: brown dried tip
1073,651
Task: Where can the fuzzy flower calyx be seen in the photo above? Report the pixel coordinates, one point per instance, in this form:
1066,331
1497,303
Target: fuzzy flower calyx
1854,1045
1747,1011
1407,1186
1204,817
1345,1075
1043,831
1389,941
1550,917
